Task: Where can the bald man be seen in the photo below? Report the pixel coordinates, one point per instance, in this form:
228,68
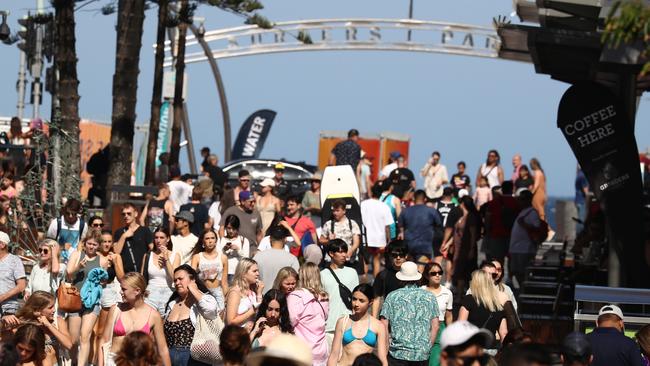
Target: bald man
516,164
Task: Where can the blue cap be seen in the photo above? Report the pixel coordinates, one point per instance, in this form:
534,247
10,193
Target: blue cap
245,196
395,154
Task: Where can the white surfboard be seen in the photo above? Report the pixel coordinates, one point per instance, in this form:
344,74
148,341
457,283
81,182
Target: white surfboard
339,181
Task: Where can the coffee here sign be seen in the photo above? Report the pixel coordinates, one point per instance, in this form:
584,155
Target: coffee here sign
595,119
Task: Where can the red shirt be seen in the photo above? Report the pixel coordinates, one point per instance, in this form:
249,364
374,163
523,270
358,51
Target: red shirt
303,225
498,227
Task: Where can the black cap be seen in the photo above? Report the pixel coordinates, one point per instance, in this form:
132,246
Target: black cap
576,344
447,191
353,132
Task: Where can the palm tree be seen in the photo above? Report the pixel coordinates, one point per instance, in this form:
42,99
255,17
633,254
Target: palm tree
68,100
156,98
125,85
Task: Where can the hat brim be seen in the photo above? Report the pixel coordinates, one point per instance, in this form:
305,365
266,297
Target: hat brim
256,358
482,336
414,277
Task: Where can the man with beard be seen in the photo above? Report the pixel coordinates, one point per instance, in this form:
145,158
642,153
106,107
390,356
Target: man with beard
249,219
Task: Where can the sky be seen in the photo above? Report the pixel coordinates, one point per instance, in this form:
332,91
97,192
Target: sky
458,105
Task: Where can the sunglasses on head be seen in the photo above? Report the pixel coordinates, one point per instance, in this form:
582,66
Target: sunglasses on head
435,273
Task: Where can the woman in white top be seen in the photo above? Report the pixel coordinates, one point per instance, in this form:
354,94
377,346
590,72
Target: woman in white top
233,245
212,266
491,169
158,269
47,275
433,277
267,203
245,295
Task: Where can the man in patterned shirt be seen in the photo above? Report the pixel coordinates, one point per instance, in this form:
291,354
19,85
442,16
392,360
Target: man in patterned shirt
347,152
411,317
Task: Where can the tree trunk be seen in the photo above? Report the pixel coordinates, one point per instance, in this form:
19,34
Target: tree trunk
156,98
178,87
69,167
125,86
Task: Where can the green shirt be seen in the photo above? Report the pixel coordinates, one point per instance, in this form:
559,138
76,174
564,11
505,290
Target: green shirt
409,312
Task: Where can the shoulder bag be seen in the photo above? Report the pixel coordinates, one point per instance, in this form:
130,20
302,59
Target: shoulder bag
69,298
344,292
205,344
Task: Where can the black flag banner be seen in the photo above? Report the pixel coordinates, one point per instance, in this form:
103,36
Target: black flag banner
601,135
253,134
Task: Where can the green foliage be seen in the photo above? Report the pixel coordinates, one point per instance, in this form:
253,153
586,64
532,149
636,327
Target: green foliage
628,23
304,37
259,21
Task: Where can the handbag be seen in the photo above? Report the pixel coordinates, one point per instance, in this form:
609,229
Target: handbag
344,292
69,298
205,344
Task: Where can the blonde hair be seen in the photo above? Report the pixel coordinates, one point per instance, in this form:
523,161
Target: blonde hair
135,280
309,279
535,165
283,274
242,268
95,234
484,291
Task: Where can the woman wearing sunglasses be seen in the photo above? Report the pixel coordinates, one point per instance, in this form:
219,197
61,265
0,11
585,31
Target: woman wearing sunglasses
47,275
433,283
96,222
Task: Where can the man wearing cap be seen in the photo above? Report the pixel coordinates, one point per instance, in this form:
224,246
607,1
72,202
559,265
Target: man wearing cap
392,165
411,316
12,278
184,242
347,152
465,342
202,220
609,343
132,241
250,221
179,190
311,199
576,350
282,188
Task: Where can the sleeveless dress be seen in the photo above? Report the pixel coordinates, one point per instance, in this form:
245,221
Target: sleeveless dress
267,213
212,269
388,200
158,287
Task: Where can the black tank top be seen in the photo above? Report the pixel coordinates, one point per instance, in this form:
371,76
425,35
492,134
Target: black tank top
156,215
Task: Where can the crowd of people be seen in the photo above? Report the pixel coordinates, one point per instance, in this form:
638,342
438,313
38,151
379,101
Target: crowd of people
207,273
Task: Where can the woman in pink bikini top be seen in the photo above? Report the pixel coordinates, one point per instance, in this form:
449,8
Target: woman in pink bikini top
130,316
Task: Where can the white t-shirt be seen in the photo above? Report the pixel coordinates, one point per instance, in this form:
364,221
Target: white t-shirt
376,216
214,213
179,193
183,245
445,302
243,251
41,279
265,243
385,171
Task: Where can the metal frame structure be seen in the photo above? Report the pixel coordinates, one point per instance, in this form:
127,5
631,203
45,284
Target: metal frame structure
405,35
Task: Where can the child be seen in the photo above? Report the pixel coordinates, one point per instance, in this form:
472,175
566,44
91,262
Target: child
483,193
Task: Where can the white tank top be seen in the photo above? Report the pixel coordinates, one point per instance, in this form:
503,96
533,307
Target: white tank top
157,276
210,269
492,174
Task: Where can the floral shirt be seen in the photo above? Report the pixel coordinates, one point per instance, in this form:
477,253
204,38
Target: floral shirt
409,312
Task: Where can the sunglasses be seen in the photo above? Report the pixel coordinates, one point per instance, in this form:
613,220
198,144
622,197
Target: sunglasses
44,250
470,360
98,225
435,273
244,180
398,254
494,275
127,213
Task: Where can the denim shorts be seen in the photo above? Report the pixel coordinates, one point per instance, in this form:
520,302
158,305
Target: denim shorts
218,294
94,310
158,297
110,295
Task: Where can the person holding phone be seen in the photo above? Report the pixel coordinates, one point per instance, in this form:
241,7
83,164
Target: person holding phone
272,319
233,245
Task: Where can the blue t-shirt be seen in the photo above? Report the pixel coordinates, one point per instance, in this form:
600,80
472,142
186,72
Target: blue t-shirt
581,184
418,222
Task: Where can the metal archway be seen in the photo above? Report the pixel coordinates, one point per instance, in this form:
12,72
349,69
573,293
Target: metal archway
337,35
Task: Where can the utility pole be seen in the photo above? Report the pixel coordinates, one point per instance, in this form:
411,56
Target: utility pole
21,84
410,17
37,65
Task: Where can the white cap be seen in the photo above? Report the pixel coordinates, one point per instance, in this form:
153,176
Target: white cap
611,309
408,272
268,182
462,193
462,331
4,237
286,347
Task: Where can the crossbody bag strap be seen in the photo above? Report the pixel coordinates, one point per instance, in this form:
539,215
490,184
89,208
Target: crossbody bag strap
335,277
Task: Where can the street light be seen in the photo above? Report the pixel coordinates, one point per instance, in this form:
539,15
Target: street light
5,32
